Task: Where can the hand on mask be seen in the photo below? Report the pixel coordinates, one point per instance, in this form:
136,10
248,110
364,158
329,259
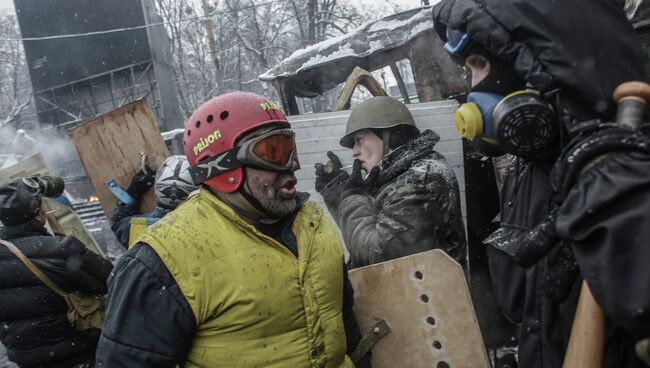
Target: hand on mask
141,182
356,184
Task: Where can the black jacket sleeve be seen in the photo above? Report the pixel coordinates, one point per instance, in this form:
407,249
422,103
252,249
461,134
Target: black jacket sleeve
352,332
83,270
606,217
508,282
149,323
121,221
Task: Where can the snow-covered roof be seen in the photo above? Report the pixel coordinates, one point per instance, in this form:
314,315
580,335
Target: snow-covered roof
322,66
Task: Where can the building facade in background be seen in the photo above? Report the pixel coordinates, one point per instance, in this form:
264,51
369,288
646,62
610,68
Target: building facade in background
115,59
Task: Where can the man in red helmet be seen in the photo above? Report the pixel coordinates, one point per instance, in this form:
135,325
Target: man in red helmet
246,273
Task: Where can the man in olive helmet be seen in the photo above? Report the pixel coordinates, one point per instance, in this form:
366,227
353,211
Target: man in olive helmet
409,201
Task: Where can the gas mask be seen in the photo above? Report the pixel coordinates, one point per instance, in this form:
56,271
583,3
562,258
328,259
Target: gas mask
521,123
497,120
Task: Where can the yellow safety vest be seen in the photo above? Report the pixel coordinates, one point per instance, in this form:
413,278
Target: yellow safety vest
255,303
136,229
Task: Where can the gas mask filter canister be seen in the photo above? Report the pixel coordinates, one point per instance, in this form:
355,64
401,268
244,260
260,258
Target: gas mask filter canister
522,123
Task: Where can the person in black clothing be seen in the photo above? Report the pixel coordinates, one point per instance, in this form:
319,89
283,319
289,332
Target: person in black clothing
34,326
575,199
172,184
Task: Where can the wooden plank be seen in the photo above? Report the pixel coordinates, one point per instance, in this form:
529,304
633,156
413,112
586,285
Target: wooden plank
425,300
109,147
359,76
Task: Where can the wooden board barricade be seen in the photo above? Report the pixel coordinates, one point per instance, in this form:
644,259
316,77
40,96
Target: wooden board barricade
110,148
425,300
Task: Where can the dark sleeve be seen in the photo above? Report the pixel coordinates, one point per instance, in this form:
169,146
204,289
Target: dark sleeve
606,218
352,332
401,220
332,192
97,267
508,282
121,221
149,323
83,270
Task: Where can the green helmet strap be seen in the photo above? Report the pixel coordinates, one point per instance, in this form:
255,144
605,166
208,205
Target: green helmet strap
385,139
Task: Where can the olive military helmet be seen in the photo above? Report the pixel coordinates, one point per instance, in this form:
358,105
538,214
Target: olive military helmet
381,112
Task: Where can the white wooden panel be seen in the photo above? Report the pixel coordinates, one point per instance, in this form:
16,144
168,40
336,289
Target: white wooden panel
318,133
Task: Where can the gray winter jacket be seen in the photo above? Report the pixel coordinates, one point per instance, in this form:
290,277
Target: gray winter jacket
415,207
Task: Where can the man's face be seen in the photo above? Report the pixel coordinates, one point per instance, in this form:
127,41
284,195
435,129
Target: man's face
368,148
479,68
275,190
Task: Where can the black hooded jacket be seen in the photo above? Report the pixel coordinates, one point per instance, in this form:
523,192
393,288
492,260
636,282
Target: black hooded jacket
35,329
585,48
576,53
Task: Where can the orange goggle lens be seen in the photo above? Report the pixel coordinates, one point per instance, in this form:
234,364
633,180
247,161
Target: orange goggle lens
277,149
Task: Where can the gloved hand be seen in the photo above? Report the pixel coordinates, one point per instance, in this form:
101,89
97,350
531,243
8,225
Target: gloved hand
141,182
325,174
356,184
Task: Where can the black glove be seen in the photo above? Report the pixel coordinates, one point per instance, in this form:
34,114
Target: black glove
323,179
356,184
141,182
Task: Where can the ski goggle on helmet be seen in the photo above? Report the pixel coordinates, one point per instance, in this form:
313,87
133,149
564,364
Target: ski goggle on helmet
457,45
216,133
272,150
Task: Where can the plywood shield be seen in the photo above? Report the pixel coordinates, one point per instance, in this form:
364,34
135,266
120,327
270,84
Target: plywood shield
425,300
110,148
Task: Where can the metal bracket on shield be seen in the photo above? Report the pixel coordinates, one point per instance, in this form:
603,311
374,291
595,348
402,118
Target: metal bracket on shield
376,333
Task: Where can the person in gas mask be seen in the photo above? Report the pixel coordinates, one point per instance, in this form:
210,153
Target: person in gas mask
33,318
575,197
172,184
409,201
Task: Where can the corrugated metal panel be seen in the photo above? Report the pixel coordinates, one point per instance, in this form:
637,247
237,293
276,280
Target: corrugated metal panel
318,133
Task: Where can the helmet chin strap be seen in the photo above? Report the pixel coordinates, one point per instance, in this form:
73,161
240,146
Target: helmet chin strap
260,214
246,206
242,200
385,140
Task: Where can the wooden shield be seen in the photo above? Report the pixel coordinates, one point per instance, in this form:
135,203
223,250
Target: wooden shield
425,300
110,148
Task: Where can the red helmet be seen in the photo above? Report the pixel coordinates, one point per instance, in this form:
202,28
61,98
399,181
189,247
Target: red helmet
213,130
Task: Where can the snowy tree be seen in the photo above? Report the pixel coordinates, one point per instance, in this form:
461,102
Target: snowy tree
224,45
15,89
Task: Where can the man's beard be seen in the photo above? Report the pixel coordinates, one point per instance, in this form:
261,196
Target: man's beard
275,205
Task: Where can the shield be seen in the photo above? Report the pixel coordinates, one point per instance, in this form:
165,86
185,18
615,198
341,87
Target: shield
425,301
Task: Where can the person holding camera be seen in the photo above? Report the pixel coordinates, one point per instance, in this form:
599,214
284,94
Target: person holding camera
34,322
